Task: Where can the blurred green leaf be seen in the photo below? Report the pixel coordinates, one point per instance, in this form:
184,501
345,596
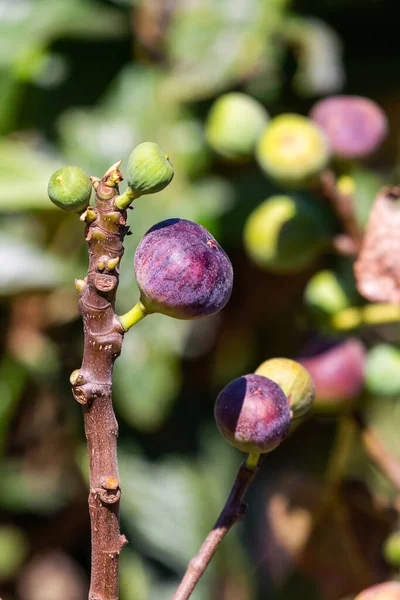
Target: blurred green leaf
319,53
367,184
12,380
13,550
31,491
147,380
24,173
29,267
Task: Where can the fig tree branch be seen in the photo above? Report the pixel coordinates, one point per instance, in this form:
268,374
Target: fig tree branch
92,383
233,511
343,205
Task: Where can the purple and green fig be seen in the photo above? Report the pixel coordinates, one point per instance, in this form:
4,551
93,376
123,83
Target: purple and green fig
286,233
234,125
253,414
293,150
70,189
149,169
294,380
390,590
337,370
382,373
355,126
182,271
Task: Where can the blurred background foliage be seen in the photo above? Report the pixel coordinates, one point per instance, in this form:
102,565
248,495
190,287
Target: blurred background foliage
82,82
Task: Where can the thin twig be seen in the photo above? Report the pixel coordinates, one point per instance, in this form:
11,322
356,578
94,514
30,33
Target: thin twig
232,512
92,383
343,205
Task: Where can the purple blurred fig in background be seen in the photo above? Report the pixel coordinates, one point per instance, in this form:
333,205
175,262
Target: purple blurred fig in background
337,369
253,414
355,126
182,271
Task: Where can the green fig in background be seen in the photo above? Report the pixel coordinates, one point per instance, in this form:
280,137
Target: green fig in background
294,380
293,150
327,293
234,125
286,233
149,169
391,549
70,189
382,375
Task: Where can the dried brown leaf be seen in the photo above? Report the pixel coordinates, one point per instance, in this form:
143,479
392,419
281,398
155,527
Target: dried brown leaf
377,269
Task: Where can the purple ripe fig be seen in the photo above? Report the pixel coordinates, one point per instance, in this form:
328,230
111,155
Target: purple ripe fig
337,370
253,414
390,590
355,126
182,271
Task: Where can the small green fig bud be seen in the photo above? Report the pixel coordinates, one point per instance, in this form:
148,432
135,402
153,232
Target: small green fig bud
382,375
391,549
234,125
149,169
286,233
70,189
294,380
390,590
293,150
327,293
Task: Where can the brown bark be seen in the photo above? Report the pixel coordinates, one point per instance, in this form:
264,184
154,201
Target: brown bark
92,383
232,512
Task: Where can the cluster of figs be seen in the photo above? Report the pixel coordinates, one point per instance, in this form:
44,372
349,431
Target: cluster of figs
288,230
182,271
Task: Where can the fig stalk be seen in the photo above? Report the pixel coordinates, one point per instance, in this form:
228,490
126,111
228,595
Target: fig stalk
92,383
233,511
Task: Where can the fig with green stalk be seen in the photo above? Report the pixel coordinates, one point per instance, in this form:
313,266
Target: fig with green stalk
253,414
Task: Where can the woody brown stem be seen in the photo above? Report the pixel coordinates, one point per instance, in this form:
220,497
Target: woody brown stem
232,512
343,205
92,383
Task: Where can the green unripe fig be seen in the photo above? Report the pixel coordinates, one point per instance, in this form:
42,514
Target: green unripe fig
326,294
285,233
70,189
234,125
391,549
294,380
382,376
149,169
293,150
13,550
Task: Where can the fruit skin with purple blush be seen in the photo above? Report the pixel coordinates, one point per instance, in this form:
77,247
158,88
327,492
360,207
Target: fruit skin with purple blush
182,271
355,126
253,414
337,369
